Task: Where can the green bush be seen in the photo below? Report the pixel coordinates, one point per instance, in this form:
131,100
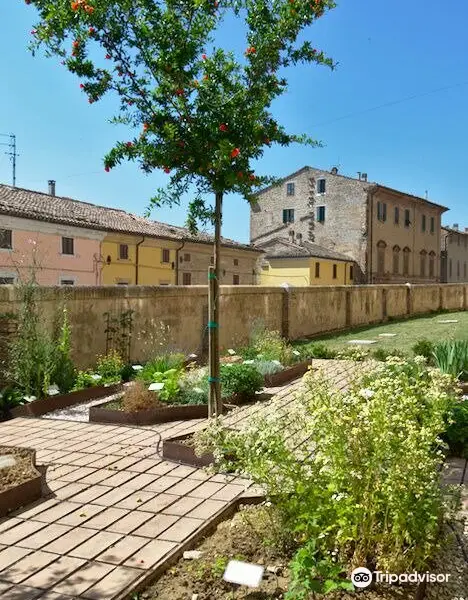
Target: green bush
86,379
356,354
382,354
64,375
127,373
424,348
194,386
267,367
269,345
248,353
452,358
109,367
353,474
240,380
456,434
9,398
317,350
160,364
171,389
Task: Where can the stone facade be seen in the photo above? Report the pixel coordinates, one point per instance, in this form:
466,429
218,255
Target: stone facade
356,218
345,202
454,254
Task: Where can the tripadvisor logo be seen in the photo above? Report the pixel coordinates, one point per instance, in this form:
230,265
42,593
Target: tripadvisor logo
362,577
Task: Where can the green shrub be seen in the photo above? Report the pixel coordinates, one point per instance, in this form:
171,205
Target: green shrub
171,389
109,367
9,398
160,364
247,353
269,345
194,386
452,358
353,474
64,375
86,379
240,380
456,434
317,350
267,367
382,354
424,348
127,373
356,354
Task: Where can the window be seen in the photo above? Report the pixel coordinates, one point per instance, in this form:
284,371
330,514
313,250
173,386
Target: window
431,264
321,214
186,257
166,255
458,269
5,239
317,270
288,215
396,260
6,280
67,282
406,260
465,241
450,267
321,186
381,246
290,189
458,239
407,217
186,278
464,270
423,223
122,282
68,246
235,279
123,251
164,282
211,260
422,263
382,211
397,215
433,225
351,272
335,270
236,262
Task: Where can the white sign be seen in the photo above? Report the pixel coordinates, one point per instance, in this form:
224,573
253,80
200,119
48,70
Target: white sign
243,573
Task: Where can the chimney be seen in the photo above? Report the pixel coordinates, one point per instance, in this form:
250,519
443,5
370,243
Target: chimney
334,171
359,175
364,177
51,183
455,226
466,229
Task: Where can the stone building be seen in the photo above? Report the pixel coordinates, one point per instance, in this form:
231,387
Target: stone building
391,235
453,254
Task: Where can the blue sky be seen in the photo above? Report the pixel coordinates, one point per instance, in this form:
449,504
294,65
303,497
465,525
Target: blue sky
386,52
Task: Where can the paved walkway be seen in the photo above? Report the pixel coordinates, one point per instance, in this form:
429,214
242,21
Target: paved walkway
113,510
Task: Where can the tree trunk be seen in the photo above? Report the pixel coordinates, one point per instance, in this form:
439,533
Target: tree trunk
215,405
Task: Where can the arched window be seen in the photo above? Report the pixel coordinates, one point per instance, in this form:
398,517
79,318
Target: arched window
381,246
422,263
406,260
396,260
432,257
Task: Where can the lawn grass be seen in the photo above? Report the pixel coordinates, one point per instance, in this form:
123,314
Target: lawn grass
408,332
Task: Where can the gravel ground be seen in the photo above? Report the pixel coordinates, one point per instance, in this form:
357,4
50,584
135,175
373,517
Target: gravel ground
78,412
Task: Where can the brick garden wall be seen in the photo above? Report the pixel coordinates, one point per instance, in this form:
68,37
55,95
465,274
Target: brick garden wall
297,312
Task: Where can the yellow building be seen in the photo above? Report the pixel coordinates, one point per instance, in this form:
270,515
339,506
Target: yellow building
303,265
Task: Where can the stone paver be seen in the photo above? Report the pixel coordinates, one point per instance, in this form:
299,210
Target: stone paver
114,509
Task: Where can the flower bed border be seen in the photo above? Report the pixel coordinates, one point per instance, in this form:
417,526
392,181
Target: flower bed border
37,408
152,416
173,449
288,374
25,493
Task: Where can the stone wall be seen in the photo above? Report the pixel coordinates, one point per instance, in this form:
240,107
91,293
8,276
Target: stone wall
183,312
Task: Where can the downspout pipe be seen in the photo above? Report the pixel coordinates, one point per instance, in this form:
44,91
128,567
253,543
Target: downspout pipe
177,262
370,229
137,259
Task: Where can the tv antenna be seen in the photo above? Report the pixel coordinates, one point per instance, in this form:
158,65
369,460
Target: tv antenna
11,152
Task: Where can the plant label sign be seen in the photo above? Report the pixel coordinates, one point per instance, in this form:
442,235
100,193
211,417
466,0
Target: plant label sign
243,573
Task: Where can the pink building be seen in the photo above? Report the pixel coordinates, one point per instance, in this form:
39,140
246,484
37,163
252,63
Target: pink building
60,253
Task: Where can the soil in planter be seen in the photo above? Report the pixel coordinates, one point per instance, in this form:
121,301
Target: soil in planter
239,538
17,474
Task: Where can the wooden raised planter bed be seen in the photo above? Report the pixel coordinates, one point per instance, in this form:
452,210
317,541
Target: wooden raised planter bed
164,414
463,385
24,493
38,408
288,374
174,449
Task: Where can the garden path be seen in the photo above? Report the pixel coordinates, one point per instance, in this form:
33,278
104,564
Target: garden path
114,512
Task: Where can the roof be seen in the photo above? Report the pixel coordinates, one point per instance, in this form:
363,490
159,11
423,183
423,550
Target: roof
282,248
29,204
366,185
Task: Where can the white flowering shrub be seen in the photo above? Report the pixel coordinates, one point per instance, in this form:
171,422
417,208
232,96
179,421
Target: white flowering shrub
356,471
